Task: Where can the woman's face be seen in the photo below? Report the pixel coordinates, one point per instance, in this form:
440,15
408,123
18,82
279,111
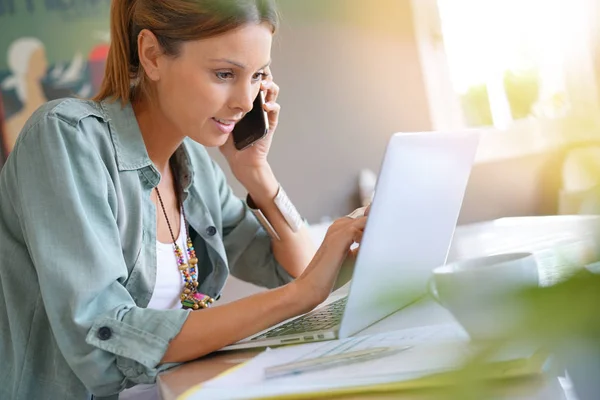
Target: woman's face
213,82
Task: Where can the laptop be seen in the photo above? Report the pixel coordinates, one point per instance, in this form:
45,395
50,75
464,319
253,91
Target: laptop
418,197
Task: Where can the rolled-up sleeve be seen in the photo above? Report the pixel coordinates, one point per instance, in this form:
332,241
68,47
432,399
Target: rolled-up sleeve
69,225
247,243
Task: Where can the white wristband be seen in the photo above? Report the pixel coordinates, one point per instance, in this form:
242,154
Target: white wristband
285,207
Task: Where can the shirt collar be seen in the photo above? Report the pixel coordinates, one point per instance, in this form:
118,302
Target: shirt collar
131,153
126,136
184,166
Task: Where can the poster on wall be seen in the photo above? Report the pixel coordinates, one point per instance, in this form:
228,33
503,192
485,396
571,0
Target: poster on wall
49,49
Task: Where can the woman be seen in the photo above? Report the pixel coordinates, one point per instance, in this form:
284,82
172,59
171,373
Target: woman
116,228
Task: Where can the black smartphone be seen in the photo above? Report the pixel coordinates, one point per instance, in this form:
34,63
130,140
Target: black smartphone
254,126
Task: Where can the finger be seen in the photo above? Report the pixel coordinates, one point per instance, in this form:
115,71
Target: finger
272,110
348,225
354,232
343,230
368,210
272,107
358,236
340,224
360,223
272,91
343,225
269,73
344,222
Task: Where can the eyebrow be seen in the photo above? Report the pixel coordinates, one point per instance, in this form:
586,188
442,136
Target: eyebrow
237,64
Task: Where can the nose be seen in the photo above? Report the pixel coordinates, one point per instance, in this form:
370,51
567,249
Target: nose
243,98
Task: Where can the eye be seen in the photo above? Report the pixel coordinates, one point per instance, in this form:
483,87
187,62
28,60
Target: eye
259,76
224,75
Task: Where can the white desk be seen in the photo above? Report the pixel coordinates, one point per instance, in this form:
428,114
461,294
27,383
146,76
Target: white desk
509,234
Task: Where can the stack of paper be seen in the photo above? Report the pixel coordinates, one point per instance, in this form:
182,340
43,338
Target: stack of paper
420,365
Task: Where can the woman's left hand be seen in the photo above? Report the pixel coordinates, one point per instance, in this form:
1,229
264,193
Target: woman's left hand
255,156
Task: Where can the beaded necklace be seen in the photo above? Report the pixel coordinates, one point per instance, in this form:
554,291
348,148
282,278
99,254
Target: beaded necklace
190,297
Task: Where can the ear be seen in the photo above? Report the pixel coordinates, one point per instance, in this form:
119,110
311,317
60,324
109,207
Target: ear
149,51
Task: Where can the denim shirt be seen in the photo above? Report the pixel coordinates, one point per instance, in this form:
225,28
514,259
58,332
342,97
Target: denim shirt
78,252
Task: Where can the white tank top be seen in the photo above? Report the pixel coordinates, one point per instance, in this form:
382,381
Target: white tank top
167,290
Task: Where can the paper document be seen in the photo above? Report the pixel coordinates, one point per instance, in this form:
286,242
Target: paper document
429,350
331,361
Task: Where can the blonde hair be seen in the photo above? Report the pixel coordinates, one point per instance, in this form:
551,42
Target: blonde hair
172,22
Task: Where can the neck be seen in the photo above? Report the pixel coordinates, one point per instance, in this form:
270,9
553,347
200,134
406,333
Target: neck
158,133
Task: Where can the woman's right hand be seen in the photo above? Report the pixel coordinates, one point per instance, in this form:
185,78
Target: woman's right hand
317,280
239,319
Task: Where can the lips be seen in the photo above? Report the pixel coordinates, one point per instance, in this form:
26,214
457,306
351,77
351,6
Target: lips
225,121
225,125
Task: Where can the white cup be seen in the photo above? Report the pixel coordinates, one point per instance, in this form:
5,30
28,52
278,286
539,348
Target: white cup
478,291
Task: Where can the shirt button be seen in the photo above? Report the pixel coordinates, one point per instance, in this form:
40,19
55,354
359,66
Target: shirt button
104,333
211,231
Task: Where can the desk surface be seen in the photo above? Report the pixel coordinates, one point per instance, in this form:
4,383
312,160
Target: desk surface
528,233
175,382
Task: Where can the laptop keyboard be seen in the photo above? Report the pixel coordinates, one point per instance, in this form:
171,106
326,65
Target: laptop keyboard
324,318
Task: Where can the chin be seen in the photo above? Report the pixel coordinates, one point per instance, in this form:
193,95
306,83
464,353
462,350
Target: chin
209,140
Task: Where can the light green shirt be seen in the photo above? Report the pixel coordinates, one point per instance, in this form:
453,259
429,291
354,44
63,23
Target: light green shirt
78,252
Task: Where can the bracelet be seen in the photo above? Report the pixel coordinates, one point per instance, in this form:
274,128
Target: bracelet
262,219
285,207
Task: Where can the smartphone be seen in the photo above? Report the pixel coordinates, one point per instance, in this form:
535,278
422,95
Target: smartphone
254,126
